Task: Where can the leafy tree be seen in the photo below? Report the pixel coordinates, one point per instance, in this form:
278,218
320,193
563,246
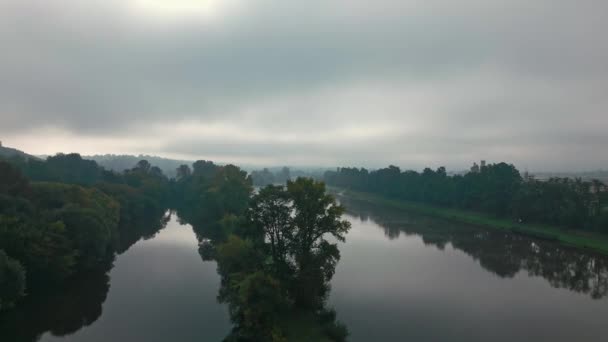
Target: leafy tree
143,166
64,168
237,260
270,213
183,171
281,261
263,303
204,168
77,218
12,281
232,189
297,221
41,247
12,181
315,215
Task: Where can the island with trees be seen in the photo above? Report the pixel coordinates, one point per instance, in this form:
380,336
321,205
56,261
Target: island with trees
271,249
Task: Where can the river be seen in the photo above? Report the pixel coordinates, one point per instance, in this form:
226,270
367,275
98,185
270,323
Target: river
401,278
408,278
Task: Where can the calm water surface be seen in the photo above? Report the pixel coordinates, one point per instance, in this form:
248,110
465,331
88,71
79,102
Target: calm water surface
160,290
406,278
401,278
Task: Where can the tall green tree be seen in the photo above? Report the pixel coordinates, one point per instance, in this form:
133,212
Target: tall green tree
270,214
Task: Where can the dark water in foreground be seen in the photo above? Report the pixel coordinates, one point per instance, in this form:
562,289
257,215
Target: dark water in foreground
159,290
401,278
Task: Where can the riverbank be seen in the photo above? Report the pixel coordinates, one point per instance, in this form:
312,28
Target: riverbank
584,240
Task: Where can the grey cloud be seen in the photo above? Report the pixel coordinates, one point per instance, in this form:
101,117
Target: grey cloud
472,77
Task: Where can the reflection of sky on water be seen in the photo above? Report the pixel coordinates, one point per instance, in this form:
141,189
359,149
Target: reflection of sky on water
392,286
160,290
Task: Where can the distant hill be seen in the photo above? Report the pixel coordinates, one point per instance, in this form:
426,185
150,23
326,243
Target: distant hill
9,152
120,163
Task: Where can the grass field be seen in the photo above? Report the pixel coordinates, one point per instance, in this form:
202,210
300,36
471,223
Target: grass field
584,240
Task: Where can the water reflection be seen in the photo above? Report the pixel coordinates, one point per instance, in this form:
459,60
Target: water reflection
503,254
62,313
146,227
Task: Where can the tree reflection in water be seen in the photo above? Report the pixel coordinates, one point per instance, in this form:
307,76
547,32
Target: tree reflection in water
504,254
60,313
78,304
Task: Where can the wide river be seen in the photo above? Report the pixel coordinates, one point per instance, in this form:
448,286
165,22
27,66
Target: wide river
400,278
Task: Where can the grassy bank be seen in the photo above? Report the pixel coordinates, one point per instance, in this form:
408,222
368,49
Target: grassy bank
585,240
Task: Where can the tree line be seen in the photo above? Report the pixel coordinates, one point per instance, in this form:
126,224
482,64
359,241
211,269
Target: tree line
271,249
280,176
496,189
66,216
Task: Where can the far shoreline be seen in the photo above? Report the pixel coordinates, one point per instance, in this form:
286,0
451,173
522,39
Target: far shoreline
581,240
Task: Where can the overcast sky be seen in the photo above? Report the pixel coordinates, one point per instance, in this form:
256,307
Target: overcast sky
316,82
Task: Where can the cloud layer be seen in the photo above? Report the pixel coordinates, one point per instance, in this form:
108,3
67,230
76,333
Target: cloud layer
315,82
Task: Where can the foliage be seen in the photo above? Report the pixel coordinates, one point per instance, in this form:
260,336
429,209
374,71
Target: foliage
210,193
12,181
315,215
75,215
282,262
496,189
66,216
269,215
12,280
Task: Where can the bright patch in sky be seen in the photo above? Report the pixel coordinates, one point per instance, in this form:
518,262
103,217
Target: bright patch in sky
173,9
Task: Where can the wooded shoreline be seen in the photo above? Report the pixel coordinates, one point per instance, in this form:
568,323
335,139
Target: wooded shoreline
578,239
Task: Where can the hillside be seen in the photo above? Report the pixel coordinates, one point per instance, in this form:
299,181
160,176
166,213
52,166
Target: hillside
9,152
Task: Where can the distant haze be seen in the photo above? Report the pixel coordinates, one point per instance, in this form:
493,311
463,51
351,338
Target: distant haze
319,83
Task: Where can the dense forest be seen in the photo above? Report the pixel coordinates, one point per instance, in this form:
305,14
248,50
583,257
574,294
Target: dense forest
496,189
65,218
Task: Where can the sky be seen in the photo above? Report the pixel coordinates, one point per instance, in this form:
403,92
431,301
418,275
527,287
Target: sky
310,83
